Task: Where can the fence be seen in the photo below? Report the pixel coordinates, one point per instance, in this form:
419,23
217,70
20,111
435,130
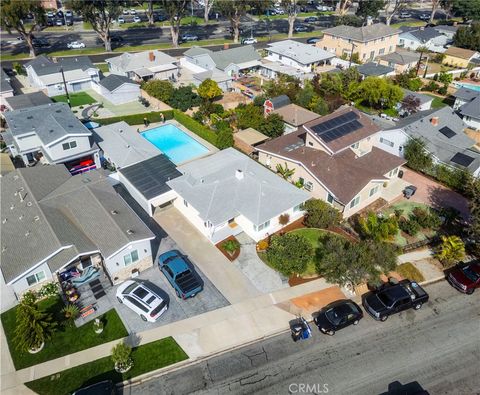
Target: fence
430,241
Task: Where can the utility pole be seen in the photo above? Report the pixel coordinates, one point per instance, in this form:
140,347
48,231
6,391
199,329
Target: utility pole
351,55
65,87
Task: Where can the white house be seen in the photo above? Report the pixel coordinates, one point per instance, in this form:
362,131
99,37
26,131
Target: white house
51,134
118,89
227,193
467,104
428,37
79,73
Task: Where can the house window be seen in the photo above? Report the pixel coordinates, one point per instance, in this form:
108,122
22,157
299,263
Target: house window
130,258
185,203
308,186
373,191
69,145
372,54
35,278
364,56
355,201
393,172
355,146
297,208
280,57
330,198
401,42
386,142
382,51
390,49
260,227
383,38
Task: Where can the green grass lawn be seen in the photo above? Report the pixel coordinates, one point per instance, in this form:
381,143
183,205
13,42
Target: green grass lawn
437,102
151,356
66,340
103,67
76,99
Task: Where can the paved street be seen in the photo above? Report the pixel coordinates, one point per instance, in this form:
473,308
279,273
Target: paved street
435,348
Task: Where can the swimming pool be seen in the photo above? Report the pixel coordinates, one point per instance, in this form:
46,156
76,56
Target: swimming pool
473,87
175,143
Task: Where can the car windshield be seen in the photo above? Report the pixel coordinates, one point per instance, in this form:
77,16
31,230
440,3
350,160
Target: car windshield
337,313
169,259
470,274
130,288
183,274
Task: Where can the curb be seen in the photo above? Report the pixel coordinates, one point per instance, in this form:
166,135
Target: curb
433,281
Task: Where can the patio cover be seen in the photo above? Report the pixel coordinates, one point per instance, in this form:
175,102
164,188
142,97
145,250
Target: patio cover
247,65
143,72
251,136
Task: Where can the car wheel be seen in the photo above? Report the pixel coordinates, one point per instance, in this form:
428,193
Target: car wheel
355,322
143,317
178,293
383,318
331,332
470,291
417,306
119,300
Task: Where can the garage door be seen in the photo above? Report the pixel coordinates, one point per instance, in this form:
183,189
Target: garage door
81,86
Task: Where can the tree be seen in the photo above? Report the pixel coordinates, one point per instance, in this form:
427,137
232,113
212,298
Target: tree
13,12
283,85
175,10
343,6
416,155
379,92
435,5
159,89
33,327
377,228
445,78
468,37
209,89
320,214
184,98
447,6
473,190
370,8
450,250
410,104
348,20
318,105
291,8
467,9
284,171
249,116
392,8
207,7
272,125
234,10
224,135
121,356
290,253
148,10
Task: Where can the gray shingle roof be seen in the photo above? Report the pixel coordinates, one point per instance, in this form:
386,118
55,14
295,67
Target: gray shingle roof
243,54
374,69
215,75
50,122
114,81
423,98
425,35
362,34
280,101
28,100
300,52
195,51
44,66
466,94
210,186
133,61
472,108
5,85
83,213
400,57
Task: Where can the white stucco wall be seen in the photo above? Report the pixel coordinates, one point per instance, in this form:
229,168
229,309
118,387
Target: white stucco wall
21,285
288,61
115,263
395,136
474,123
56,151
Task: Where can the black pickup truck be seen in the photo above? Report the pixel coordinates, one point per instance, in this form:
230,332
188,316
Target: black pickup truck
394,298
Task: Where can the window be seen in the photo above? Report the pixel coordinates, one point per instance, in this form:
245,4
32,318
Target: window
35,278
69,145
308,186
130,258
355,201
383,38
393,172
185,203
280,57
355,146
364,56
386,142
390,49
260,227
401,42
297,208
382,51
373,191
372,54
330,198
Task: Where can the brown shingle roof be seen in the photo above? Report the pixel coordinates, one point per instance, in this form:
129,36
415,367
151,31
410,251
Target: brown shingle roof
461,53
296,115
344,174
368,128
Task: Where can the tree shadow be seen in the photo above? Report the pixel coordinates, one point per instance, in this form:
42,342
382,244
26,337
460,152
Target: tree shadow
443,198
412,388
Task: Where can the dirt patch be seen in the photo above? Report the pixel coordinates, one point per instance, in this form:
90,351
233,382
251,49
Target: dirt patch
230,257
314,301
295,280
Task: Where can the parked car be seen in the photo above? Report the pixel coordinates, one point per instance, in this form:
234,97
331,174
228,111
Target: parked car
106,387
121,19
60,22
178,273
189,37
313,40
40,42
50,14
69,20
140,298
137,19
338,315
69,13
125,12
59,14
249,40
300,28
133,12
393,298
424,17
116,39
404,15
279,11
465,278
159,17
75,45
409,191
311,19
270,12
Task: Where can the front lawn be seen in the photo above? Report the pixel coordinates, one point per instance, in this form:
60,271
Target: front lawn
76,99
146,358
66,340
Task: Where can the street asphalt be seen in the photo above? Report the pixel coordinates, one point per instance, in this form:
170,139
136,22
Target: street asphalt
435,349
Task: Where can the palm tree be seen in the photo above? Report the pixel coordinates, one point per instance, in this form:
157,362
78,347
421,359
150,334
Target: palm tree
450,250
378,228
284,171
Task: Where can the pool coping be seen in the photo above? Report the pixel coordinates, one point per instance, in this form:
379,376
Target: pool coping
211,148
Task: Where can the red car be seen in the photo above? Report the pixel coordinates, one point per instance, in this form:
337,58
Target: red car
465,278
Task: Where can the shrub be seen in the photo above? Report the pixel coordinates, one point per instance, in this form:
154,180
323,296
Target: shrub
19,68
49,289
121,355
137,119
409,226
442,90
195,127
71,313
198,116
377,228
320,214
289,253
262,245
450,250
426,218
231,246
284,219
159,89
29,298
408,270
431,87
184,98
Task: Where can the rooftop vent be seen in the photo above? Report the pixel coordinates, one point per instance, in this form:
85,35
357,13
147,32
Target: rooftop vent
239,174
4,249
4,221
58,111
21,217
30,117
114,212
36,218
29,204
12,207
130,232
27,233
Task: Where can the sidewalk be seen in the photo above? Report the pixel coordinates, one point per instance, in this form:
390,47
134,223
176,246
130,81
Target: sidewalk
199,336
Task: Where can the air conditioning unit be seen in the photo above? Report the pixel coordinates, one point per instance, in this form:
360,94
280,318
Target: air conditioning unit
308,186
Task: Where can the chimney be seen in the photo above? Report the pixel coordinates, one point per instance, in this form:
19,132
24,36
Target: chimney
151,56
434,121
239,174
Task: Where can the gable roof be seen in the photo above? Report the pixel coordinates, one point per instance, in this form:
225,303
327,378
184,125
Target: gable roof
196,51
114,81
296,115
374,69
461,53
28,100
400,57
300,52
121,143
44,209
472,108
44,66
466,94
212,187
279,101
238,55
215,75
421,97
5,85
362,34
50,122
133,61
425,35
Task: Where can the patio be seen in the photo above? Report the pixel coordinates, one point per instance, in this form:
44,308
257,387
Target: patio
109,109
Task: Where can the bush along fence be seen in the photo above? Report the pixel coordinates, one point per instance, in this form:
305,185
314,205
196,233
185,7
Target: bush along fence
137,119
430,241
200,130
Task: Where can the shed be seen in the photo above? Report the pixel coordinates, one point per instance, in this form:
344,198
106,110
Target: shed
247,139
118,89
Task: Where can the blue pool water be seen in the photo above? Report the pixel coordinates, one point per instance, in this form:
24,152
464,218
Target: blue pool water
468,86
173,142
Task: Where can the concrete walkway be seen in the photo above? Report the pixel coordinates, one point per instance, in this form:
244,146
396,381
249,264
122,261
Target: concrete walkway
415,255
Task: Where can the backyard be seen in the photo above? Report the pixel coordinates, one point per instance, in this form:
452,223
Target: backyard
151,356
66,339
76,99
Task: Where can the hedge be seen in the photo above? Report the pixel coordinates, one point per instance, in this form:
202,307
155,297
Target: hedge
136,119
195,127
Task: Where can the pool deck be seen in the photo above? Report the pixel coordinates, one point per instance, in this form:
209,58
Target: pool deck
211,148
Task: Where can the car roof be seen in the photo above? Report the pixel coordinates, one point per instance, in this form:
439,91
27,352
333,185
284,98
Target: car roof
396,292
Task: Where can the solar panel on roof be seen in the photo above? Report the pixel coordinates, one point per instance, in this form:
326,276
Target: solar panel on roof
462,159
447,132
337,127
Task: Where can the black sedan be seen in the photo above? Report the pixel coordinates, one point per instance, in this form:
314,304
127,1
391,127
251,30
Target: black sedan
338,315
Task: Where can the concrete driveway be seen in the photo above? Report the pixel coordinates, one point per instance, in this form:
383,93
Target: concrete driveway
435,194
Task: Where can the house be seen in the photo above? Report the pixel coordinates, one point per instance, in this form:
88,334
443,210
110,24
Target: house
428,37
247,139
229,61
121,145
374,69
228,193
118,89
368,41
51,134
53,222
401,60
6,89
45,74
447,30
424,101
301,56
460,57
333,157
142,66
467,104
272,70
27,100
223,80
442,130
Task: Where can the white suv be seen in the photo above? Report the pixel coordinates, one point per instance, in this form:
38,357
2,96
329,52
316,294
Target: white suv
142,300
